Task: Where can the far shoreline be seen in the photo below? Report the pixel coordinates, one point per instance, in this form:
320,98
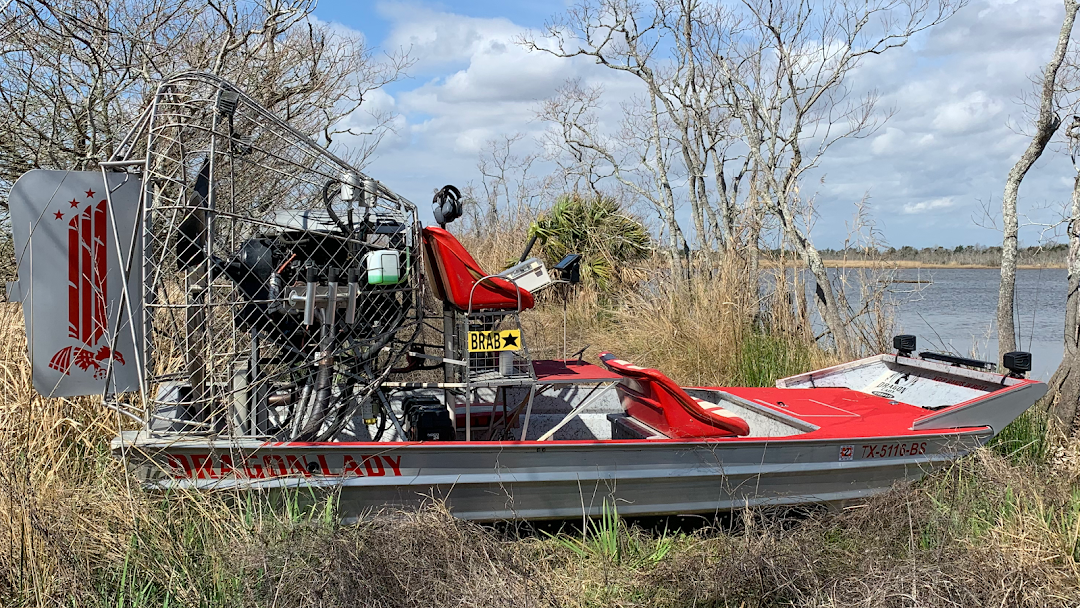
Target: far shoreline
928,265
912,264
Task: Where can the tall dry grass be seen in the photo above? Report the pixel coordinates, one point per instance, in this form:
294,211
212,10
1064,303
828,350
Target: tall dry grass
75,530
74,524
719,328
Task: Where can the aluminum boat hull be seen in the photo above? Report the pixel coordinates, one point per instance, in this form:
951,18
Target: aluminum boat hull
523,480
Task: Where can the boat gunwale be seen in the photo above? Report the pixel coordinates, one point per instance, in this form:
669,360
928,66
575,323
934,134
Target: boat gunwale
195,443
983,376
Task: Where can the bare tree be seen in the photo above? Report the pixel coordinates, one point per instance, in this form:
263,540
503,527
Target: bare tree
1065,383
510,189
1046,124
74,74
621,35
760,86
670,46
787,76
508,179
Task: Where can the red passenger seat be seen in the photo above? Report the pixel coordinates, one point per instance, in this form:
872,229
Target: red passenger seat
653,398
455,272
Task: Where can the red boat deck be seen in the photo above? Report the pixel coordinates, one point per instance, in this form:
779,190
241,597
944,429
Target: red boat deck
840,412
550,371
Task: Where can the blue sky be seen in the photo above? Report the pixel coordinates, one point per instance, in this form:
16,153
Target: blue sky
928,172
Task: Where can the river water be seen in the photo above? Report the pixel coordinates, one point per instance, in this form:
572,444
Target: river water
955,312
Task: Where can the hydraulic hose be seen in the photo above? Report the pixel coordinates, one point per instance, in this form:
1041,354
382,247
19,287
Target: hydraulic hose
347,228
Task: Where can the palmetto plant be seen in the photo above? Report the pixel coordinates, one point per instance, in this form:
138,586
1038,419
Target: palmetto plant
596,227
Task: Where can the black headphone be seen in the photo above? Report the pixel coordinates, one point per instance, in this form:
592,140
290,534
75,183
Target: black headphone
446,205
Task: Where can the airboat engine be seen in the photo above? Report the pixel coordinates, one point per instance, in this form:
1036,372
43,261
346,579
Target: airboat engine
280,283
327,302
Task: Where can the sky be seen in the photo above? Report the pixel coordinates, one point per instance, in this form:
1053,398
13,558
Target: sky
929,173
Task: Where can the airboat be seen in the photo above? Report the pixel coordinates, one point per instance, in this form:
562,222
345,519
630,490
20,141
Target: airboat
267,316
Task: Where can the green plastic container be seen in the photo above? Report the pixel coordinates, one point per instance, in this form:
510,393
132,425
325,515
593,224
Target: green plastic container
383,267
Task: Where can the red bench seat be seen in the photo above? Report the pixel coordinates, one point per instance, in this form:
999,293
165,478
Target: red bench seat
653,398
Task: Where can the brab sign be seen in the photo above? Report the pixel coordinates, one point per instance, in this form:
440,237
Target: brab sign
71,247
490,341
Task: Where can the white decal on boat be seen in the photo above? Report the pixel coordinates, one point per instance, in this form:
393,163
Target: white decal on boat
891,385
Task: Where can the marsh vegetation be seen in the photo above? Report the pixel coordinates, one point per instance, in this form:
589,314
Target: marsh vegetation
1001,527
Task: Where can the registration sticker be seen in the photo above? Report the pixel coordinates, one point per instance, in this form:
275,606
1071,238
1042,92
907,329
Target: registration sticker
847,452
489,341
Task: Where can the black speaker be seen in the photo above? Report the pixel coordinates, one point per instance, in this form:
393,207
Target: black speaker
1017,362
904,344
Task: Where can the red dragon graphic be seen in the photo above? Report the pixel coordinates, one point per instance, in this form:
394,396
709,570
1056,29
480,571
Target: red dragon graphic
87,295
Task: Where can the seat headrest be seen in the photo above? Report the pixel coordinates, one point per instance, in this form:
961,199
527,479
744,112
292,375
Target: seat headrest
625,368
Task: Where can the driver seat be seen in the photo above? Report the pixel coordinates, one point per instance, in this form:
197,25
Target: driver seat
454,274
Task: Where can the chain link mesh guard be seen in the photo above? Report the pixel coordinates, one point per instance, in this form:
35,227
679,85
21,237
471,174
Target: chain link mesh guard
281,284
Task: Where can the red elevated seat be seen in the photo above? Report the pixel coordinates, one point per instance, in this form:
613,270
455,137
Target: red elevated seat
656,400
455,272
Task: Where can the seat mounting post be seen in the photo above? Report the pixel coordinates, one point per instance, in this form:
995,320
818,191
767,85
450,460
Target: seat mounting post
449,353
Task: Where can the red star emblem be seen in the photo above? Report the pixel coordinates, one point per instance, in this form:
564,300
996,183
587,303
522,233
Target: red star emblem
59,215
74,203
89,194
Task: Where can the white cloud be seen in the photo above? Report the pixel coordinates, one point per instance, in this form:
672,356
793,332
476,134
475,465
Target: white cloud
931,205
471,83
945,151
956,92
972,111
436,38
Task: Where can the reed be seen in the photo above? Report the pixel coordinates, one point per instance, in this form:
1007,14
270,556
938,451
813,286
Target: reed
1028,439
713,330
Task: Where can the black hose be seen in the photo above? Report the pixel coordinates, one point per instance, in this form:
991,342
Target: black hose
346,228
382,423
342,416
321,402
